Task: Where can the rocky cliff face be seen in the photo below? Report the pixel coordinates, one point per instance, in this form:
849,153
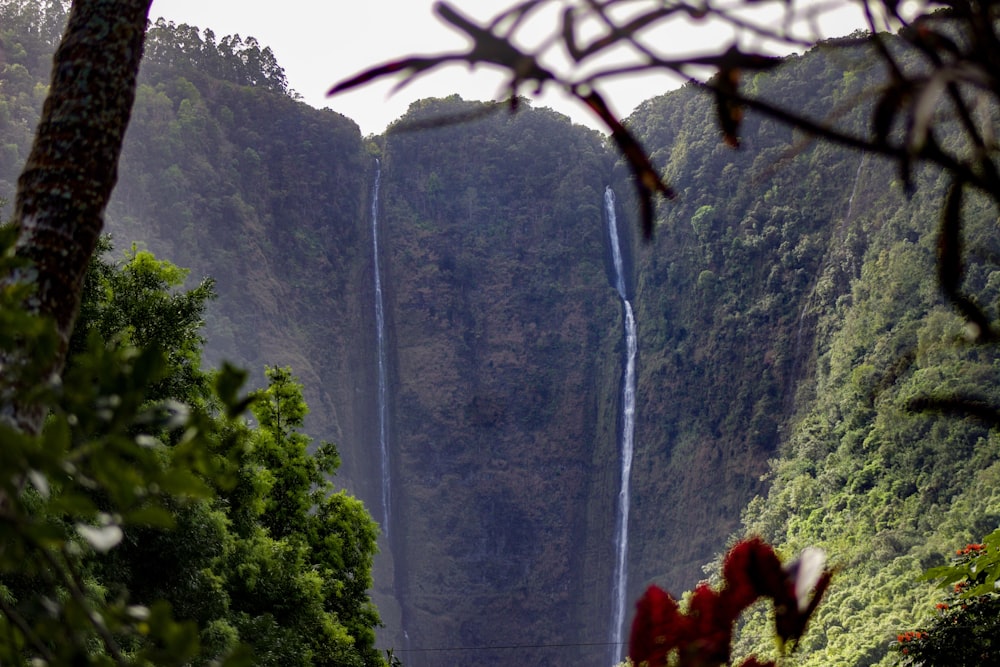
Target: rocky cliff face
268,197
503,335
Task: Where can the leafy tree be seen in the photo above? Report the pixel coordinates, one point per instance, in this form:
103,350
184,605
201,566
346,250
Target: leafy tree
112,460
329,534
138,304
280,561
160,504
232,58
964,632
281,448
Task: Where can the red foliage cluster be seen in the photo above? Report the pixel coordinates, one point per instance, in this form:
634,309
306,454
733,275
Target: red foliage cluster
969,548
702,635
909,636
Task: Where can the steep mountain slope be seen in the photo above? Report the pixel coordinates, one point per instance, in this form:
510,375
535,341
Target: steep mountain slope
728,296
886,487
267,196
817,300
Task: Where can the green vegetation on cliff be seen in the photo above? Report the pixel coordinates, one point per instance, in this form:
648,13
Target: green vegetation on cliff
886,488
809,284
759,241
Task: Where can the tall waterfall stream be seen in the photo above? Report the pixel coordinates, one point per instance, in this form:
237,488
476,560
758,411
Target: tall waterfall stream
626,438
382,398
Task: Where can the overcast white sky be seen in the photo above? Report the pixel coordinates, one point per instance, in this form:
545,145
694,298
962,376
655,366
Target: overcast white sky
321,42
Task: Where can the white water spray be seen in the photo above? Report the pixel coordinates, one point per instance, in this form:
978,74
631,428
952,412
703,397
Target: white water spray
381,401
626,439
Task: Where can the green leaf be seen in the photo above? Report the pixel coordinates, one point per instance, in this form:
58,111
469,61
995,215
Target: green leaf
228,381
152,515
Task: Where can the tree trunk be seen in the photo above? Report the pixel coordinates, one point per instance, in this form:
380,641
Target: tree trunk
73,165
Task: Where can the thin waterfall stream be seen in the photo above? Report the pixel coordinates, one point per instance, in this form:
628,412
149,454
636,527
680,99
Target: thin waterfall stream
626,438
382,397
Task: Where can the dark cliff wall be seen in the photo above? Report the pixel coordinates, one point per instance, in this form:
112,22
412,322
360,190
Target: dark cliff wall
504,331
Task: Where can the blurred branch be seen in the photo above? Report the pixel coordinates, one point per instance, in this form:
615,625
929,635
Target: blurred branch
957,44
958,406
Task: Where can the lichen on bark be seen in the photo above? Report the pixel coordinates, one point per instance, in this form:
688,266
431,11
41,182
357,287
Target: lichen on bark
73,165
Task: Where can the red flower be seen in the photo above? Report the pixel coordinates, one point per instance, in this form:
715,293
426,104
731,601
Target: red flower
753,662
711,629
702,636
751,569
657,628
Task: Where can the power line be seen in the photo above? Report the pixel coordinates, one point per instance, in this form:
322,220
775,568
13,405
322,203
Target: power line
503,647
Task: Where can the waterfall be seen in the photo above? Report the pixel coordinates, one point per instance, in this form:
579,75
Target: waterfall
381,400
616,249
625,440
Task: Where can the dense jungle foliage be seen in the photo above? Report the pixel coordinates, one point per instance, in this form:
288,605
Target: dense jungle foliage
832,243
153,497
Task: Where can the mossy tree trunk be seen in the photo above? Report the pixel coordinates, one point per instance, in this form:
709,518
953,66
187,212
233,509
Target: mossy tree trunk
73,165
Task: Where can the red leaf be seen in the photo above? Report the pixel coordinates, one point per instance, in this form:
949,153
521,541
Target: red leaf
752,661
752,569
657,628
710,629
